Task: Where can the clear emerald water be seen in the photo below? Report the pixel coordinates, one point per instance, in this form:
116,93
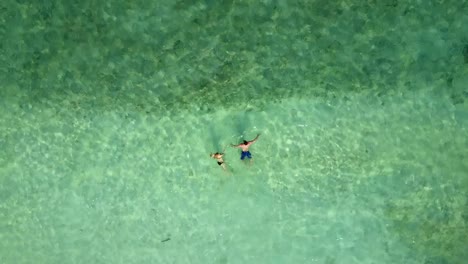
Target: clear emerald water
109,111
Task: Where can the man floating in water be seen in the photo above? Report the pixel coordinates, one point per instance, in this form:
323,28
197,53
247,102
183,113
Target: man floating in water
245,148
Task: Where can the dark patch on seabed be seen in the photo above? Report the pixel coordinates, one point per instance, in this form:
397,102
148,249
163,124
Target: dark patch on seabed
160,57
228,53
465,53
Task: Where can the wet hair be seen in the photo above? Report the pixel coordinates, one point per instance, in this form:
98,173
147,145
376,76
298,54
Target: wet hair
246,142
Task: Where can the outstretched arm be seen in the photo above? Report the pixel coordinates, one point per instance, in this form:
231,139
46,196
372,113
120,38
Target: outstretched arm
235,146
255,139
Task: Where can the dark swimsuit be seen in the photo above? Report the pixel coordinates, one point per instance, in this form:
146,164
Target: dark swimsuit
219,163
246,154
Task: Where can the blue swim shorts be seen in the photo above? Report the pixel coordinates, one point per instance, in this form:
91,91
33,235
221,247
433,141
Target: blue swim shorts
246,154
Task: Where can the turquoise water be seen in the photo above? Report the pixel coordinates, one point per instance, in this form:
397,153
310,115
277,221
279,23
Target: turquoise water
109,111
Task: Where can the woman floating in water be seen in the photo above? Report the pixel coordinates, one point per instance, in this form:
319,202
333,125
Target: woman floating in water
219,158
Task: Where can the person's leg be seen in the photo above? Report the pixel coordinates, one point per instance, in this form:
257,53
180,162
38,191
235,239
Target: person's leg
223,165
225,168
243,154
249,156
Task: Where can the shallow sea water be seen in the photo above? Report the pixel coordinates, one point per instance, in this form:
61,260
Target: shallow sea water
106,136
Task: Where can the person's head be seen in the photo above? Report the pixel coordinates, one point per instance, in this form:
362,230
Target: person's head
246,142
